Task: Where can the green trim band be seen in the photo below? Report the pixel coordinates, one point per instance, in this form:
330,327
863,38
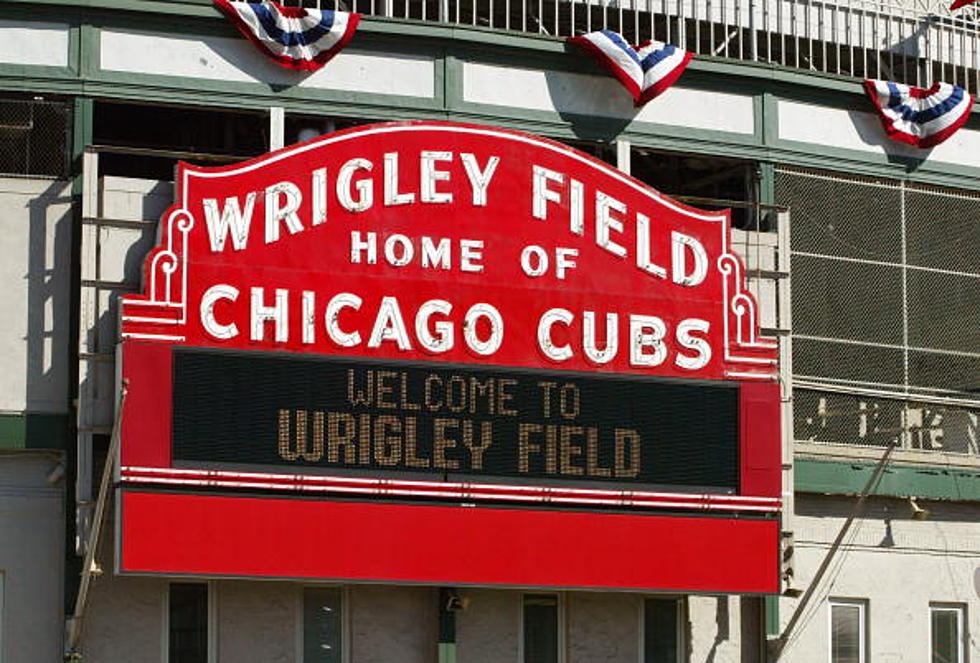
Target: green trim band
447,652
31,431
849,478
771,607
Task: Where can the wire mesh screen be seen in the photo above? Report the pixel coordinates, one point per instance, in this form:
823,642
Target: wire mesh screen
822,208
957,214
846,363
886,295
856,301
943,312
34,137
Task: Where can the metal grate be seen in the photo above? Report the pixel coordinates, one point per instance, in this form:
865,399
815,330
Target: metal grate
906,41
847,300
886,295
956,213
828,417
34,137
846,363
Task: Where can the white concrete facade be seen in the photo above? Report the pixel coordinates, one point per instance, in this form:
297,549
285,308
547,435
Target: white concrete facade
32,554
897,565
34,43
261,621
853,130
581,94
235,60
35,245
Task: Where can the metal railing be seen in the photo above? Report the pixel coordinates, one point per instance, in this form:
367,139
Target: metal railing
907,41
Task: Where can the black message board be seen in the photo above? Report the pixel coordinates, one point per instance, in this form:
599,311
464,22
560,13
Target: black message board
295,413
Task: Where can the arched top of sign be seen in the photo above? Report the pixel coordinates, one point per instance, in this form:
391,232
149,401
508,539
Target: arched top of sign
449,242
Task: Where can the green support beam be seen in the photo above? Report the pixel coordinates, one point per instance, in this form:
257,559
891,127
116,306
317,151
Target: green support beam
772,615
448,600
848,478
33,431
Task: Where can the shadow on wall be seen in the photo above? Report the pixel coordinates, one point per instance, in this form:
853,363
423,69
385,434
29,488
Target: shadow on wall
888,511
48,298
247,59
577,98
870,131
119,260
723,623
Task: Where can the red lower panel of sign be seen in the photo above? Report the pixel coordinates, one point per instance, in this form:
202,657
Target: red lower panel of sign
183,534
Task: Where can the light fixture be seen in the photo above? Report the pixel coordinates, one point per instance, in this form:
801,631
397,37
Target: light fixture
56,474
918,513
455,602
95,570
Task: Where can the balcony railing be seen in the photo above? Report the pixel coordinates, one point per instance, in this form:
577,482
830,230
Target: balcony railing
906,41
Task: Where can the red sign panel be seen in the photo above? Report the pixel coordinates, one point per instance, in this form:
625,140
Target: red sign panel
451,319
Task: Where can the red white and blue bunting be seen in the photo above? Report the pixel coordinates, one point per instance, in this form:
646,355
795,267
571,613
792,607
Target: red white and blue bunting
295,37
918,116
645,70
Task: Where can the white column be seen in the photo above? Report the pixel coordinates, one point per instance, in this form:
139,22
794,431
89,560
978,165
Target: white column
277,127
623,155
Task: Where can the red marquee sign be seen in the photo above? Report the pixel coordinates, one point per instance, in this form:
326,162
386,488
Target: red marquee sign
502,342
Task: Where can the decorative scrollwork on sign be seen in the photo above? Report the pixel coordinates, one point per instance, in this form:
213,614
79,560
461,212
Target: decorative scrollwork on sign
161,312
167,262
743,345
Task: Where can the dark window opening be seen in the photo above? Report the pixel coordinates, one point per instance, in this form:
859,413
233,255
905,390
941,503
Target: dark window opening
601,151
188,636
301,128
661,630
204,136
947,640
322,625
703,177
540,628
34,136
847,643
100,452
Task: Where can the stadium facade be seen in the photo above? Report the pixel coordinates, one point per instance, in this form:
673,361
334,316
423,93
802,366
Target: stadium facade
861,253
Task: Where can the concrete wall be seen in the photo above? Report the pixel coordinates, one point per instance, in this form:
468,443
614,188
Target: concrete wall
723,629
898,564
260,621
393,623
257,621
603,627
112,255
606,627
488,630
32,556
35,245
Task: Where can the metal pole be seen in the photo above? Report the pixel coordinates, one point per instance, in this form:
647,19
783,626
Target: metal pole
780,644
74,625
